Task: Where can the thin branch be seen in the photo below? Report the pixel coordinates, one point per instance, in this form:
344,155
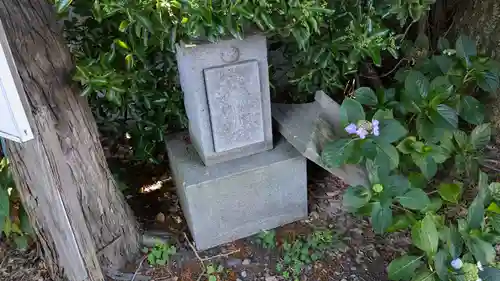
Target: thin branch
139,267
387,73
203,260
223,255
194,249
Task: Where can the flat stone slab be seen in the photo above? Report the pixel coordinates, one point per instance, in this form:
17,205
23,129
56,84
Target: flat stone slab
309,126
227,98
241,197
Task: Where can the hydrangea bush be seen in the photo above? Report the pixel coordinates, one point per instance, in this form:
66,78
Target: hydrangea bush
430,122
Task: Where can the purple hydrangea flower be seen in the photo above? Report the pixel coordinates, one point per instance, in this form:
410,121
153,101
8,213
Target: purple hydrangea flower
361,133
351,129
375,127
457,263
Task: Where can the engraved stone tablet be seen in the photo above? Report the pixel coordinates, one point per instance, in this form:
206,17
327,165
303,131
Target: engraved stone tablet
227,98
235,105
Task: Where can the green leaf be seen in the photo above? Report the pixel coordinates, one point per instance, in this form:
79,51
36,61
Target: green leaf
400,222
471,110
62,5
425,128
444,117
454,242
337,152
494,220
465,48
441,264
426,164
490,274
414,199
212,278
404,268
25,222
417,180
374,53
356,197
445,63
129,61
391,131
351,111
381,217
121,44
493,207
483,251
450,192
443,44
389,152
416,85
366,96
123,25
424,275
441,90
7,228
425,235
461,138
480,136
4,203
488,81
210,269
382,114
398,185
145,22
434,206
21,242
406,145
475,214
369,149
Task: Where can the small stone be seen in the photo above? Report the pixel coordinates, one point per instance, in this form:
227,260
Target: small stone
238,279
353,268
232,262
271,278
243,274
246,262
160,217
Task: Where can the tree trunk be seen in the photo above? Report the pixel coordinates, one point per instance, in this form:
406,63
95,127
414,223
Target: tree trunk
480,19
78,214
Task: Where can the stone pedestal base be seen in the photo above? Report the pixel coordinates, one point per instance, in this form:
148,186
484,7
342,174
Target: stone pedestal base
241,197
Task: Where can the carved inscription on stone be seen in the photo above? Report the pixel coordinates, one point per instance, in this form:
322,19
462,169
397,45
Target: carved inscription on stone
235,104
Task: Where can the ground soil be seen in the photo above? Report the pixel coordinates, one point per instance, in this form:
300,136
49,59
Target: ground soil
357,254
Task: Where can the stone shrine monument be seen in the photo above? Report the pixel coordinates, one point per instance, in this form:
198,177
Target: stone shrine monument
233,179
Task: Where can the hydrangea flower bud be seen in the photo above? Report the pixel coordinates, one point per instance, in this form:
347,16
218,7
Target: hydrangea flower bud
361,133
378,188
457,263
351,128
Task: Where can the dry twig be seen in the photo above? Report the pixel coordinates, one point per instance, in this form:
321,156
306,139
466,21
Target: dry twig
139,267
203,260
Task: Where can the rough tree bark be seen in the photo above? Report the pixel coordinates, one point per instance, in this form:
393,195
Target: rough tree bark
480,19
79,216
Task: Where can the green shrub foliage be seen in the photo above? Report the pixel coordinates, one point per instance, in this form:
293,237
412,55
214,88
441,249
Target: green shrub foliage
14,221
430,120
124,50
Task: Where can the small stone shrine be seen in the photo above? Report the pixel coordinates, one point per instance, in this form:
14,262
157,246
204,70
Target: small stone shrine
233,179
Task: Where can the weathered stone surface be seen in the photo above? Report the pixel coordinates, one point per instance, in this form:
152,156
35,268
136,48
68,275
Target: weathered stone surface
308,127
227,99
235,104
241,197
